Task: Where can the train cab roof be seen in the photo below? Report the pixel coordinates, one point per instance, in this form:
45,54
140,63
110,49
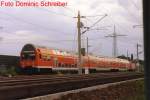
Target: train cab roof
44,50
28,48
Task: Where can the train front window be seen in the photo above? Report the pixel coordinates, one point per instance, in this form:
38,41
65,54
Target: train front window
28,55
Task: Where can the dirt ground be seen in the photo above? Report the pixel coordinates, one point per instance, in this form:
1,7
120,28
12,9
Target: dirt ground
124,91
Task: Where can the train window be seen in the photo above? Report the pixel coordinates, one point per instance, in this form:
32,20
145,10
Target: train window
45,59
40,56
55,62
32,56
48,57
38,50
28,55
69,65
66,65
75,65
59,64
62,65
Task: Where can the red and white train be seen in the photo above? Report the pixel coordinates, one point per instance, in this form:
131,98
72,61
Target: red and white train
38,58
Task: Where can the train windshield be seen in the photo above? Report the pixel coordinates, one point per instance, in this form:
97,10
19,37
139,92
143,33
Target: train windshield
28,55
28,52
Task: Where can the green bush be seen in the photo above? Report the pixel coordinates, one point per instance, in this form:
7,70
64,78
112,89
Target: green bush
9,71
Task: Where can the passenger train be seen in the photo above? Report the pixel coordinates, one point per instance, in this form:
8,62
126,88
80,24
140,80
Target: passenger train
37,58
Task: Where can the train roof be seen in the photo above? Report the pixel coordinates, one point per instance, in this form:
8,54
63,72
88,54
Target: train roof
43,49
109,58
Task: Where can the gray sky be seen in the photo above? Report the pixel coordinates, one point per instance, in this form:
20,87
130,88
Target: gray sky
55,27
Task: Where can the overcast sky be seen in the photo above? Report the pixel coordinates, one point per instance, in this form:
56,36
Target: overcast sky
55,26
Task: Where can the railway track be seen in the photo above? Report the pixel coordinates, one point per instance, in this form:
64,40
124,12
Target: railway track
30,86
28,77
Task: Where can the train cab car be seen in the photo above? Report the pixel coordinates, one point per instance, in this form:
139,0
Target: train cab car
28,56
41,59
36,59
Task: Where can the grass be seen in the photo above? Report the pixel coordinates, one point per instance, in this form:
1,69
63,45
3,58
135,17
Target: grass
9,71
140,91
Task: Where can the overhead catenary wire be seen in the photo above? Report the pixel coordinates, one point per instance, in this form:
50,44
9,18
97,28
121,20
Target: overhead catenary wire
122,27
94,24
96,15
72,40
69,9
134,4
96,47
98,21
131,14
98,28
37,25
112,21
64,16
28,22
47,10
116,23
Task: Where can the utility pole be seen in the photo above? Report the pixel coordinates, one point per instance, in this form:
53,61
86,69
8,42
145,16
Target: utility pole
127,54
1,38
87,45
114,36
87,53
79,26
79,44
137,51
115,42
87,41
88,65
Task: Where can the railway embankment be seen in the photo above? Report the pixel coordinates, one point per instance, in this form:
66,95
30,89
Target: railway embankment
125,90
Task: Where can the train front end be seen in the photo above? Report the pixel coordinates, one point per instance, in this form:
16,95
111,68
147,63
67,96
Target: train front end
28,57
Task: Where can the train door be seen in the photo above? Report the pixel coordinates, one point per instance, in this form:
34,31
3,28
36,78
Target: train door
55,62
28,58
